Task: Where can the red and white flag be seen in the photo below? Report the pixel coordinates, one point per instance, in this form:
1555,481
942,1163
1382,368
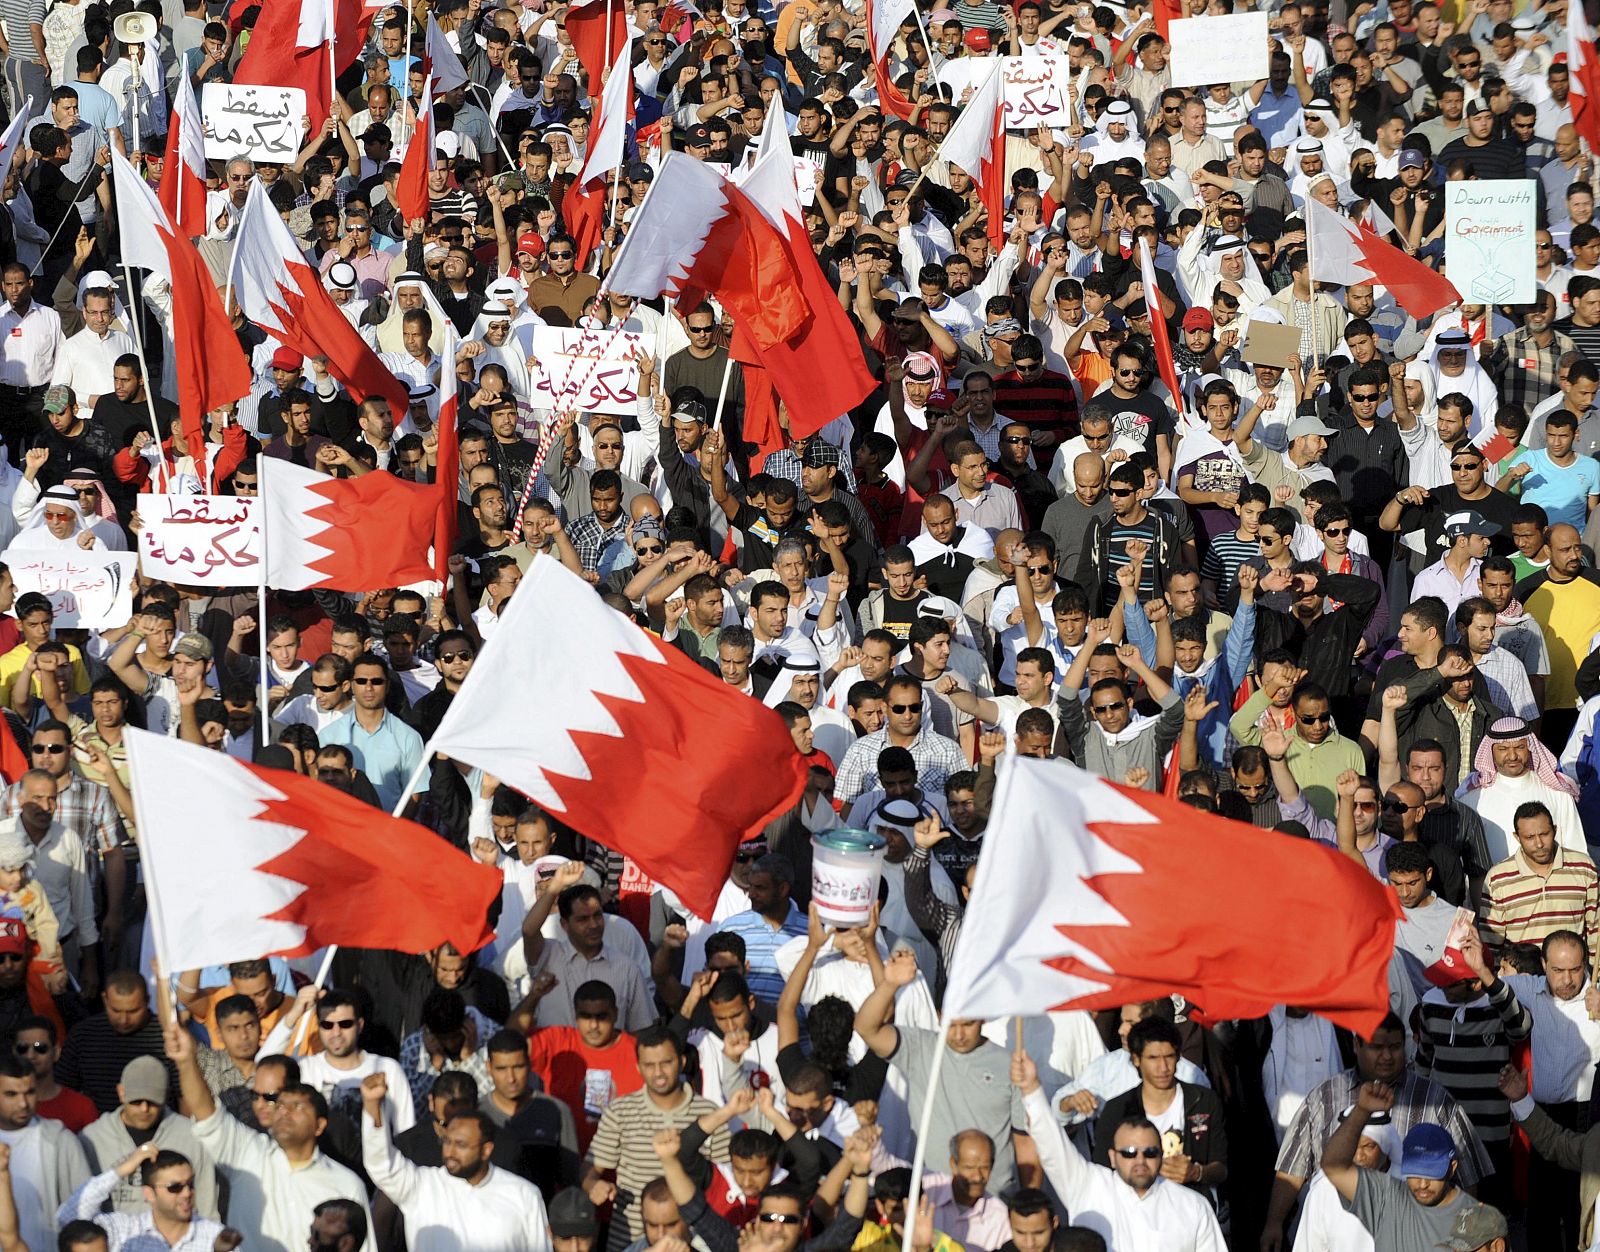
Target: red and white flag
1494,446
698,235
212,368
819,371
411,186
11,140
183,172
280,292
284,865
447,463
1347,252
320,531
977,145
1583,69
443,65
1161,341
596,42
289,48
884,19
1098,895
583,207
635,745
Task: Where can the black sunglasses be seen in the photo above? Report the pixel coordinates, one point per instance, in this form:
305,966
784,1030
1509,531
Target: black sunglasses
1133,1154
906,708
342,1023
54,749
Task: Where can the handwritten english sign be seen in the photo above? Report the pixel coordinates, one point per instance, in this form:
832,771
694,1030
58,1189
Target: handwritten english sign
592,371
1488,240
261,123
1231,48
201,541
89,590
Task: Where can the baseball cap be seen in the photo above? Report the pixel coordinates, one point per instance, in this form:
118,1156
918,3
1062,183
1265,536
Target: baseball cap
1474,1227
144,1078
1412,159
1468,522
1428,1152
287,359
13,933
697,136
194,646
638,171
1198,319
820,452
532,242
1477,107
977,40
1307,426
571,1214
57,398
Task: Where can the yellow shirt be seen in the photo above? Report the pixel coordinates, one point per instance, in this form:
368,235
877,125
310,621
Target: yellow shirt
12,662
1569,614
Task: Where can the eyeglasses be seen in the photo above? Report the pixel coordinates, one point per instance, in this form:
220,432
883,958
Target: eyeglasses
54,749
1266,539
1364,397
649,549
455,656
1024,367
1015,439
1133,373
701,330
1100,709
655,43
342,1023
266,1097
779,1219
1105,438
1335,532
906,708
1367,806
1468,65
38,1047
326,687
608,447
1041,569
1133,1154
1315,719
561,256
1393,804
178,1188
1544,247
370,682
361,228
1459,466
1119,492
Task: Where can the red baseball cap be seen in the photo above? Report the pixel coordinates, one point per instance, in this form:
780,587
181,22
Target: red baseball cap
977,40
531,242
1198,319
13,934
287,359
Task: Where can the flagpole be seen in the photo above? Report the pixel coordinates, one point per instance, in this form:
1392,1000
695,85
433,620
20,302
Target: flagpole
411,25
333,57
152,895
135,311
261,652
722,391
1311,283
409,790
919,1157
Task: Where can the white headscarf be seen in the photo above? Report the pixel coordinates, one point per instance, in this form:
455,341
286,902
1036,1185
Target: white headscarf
35,534
391,329
1108,149
1473,382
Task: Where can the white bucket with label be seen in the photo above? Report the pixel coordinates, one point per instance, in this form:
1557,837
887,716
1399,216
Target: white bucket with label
844,875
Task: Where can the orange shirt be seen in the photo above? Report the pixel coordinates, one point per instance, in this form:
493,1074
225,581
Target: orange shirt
204,1010
582,1077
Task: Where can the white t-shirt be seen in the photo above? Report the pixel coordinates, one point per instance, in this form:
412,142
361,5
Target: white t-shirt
341,1088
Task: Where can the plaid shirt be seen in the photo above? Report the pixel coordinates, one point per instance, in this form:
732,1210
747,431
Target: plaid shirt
420,1073
591,539
785,464
936,756
1416,1100
85,808
1525,372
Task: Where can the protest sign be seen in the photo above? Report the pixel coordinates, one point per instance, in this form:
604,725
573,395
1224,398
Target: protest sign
1034,87
1228,49
592,371
201,541
261,123
1488,239
805,180
88,589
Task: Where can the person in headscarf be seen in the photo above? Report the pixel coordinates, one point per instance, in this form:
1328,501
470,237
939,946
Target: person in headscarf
1205,266
344,289
1324,189
100,514
1512,768
1116,135
1325,1223
1305,163
1456,369
922,375
1322,125
411,291
501,346
57,523
797,679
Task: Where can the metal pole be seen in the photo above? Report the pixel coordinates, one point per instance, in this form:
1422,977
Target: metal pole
261,652
920,1155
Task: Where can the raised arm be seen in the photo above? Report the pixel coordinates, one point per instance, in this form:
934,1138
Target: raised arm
872,1018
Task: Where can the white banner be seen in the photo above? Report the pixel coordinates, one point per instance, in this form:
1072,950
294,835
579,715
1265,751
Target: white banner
201,541
592,371
1035,87
1488,240
91,590
262,123
1231,49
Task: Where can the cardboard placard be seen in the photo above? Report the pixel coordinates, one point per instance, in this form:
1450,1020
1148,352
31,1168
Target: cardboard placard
1228,49
592,371
1266,343
1489,231
201,541
89,589
261,123
1034,91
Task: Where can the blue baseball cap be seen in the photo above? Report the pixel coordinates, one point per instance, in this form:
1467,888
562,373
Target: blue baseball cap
1428,1152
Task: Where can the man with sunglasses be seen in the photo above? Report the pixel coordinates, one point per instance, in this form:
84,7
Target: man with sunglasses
143,1121
935,756
169,1209
338,1069
386,750
35,1041
560,294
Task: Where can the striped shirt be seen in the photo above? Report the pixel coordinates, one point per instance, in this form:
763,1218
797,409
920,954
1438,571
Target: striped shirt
1520,905
1224,555
1416,1100
761,943
17,16
1463,1048
622,1142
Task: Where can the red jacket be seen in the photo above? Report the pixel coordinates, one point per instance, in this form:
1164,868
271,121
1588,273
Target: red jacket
130,467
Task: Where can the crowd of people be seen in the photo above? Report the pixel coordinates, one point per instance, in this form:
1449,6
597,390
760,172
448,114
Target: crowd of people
1348,596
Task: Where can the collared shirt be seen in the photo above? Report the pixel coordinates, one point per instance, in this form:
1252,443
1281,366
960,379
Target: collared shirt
417,1063
28,345
1520,905
1525,371
983,1226
1507,679
936,757
85,808
591,537
387,756
126,1232
994,508
1566,1044
62,868
635,1004
1439,580
761,943
372,270
85,361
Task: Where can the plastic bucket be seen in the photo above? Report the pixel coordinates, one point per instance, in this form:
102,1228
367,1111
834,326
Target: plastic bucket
844,875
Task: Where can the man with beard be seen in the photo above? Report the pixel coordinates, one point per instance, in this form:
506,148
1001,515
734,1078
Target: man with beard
468,1200
946,550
